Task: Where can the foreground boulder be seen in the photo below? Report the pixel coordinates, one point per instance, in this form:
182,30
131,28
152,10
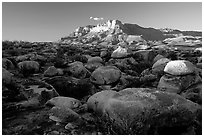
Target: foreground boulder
145,111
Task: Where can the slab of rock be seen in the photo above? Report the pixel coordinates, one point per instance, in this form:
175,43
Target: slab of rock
145,111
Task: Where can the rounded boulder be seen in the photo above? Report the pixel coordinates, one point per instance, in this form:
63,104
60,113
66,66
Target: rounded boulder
159,65
28,67
179,67
105,75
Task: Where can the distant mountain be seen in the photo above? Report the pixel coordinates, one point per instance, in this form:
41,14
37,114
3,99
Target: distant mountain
112,30
147,33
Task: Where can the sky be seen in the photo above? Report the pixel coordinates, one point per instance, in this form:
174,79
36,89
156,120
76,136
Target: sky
49,21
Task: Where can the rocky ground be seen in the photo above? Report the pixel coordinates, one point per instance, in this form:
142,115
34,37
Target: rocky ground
93,86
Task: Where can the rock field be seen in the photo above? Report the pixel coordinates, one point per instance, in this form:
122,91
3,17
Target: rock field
109,79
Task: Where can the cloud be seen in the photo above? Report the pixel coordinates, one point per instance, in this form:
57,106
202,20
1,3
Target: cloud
95,18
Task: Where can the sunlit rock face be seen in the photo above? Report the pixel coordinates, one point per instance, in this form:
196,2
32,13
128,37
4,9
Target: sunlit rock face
109,25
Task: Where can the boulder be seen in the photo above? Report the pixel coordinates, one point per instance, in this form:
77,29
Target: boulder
177,84
120,53
70,86
169,84
63,115
127,81
145,111
66,102
93,63
124,64
51,71
147,55
159,65
95,60
147,78
77,70
6,77
38,58
92,66
194,93
158,57
104,54
97,101
7,64
179,67
105,75
22,58
29,67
